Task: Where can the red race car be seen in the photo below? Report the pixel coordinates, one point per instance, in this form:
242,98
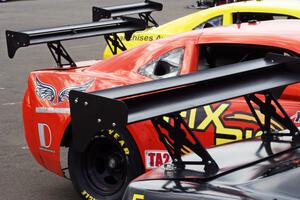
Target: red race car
108,161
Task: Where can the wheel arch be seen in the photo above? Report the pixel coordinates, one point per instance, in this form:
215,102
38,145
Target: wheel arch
85,188
67,137
133,134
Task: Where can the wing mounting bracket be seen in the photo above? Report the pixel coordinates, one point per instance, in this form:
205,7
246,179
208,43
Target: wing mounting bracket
148,18
179,137
272,110
58,52
114,43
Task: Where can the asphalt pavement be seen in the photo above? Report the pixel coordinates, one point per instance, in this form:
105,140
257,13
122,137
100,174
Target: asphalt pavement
20,176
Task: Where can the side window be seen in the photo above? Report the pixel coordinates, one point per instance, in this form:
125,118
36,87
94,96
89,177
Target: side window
167,65
241,17
215,55
216,21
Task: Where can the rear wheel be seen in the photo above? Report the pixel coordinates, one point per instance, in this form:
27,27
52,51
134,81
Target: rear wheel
107,166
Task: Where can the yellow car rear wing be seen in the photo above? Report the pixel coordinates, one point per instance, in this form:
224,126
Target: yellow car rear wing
143,9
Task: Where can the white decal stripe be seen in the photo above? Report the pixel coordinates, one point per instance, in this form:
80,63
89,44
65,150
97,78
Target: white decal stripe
52,110
47,150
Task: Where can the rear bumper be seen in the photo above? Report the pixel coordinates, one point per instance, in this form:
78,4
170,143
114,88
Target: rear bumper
43,132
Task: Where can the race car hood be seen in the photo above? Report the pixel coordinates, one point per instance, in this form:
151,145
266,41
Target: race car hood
241,176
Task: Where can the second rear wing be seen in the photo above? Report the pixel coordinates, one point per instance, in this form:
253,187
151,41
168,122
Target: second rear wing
53,36
143,9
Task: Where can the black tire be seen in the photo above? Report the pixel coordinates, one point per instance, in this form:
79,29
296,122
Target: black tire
107,166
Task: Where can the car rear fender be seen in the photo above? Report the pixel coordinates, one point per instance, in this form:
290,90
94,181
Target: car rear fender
44,128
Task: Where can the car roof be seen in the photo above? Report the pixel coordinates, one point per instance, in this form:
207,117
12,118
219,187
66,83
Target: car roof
278,33
284,33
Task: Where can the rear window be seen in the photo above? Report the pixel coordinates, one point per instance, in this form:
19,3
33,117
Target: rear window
241,17
166,65
214,55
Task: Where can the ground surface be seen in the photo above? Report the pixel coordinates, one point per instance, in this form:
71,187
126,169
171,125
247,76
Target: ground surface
21,176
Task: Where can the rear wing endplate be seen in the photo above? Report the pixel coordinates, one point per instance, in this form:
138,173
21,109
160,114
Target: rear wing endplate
143,9
54,36
115,108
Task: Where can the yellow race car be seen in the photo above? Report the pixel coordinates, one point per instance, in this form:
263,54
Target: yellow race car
247,11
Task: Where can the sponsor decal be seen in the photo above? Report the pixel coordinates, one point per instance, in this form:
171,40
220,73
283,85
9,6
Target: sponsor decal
156,158
142,38
87,196
119,139
48,92
247,117
200,119
45,137
138,197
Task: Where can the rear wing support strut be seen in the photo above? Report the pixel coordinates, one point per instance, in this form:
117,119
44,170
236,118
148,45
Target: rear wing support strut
114,43
178,132
58,52
142,9
148,19
272,110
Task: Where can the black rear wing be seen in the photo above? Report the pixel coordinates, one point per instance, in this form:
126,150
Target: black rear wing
116,108
54,36
143,9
